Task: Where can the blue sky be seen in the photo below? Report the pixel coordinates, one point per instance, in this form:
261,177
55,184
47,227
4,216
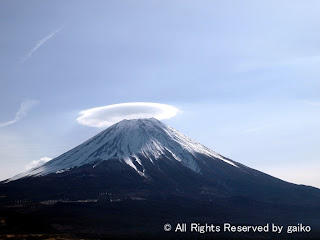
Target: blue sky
245,75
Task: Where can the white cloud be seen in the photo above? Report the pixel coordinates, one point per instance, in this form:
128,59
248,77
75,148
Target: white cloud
39,44
107,115
37,163
21,113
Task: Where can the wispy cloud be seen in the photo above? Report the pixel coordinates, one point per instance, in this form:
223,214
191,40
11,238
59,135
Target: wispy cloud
107,115
21,113
40,43
37,163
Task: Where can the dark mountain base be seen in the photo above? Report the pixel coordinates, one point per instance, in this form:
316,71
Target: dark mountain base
145,219
112,201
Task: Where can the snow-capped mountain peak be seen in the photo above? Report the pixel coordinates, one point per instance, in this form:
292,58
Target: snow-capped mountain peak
127,141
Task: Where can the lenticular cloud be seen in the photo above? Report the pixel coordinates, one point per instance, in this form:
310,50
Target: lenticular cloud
107,115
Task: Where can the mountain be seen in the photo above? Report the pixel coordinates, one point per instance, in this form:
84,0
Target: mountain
138,167
127,141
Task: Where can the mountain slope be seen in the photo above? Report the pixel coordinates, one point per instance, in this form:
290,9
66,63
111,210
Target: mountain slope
148,138
146,153
136,167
